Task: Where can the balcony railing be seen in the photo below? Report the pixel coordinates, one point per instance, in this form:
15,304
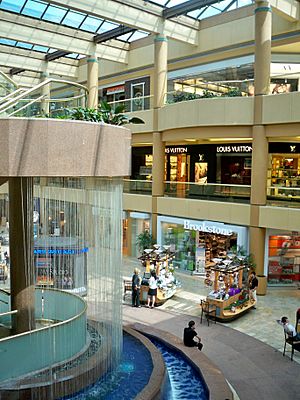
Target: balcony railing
283,196
276,195
135,103
137,186
209,191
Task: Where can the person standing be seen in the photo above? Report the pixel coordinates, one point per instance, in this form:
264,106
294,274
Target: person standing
152,292
253,284
189,334
136,286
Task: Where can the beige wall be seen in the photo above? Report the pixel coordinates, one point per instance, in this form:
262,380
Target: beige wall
218,111
281,108
135,202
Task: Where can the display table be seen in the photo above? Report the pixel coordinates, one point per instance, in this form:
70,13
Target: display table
224,314
162,294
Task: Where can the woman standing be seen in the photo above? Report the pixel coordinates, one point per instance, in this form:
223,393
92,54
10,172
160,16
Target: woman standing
152,289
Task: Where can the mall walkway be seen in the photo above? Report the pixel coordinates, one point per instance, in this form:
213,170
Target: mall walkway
256,370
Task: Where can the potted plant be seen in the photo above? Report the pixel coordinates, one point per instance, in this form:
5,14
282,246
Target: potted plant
144,241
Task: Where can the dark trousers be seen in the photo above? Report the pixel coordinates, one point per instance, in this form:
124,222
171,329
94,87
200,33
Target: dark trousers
135,297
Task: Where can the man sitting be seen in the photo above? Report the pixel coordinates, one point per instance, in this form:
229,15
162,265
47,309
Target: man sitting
189,334
289,329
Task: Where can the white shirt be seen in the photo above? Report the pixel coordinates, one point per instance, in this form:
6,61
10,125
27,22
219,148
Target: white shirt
152,283
290,330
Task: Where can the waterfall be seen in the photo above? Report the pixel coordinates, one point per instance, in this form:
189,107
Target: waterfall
77,248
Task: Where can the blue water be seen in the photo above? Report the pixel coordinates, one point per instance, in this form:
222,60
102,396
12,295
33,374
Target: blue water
127,381
184,381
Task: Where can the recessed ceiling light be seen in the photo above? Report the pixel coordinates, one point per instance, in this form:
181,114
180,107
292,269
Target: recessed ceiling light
230,139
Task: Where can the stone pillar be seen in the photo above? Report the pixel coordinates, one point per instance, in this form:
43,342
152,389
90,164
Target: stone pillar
263,38
45,92
259,171
21,253
159,92
262,64
257,247
92,80
160,70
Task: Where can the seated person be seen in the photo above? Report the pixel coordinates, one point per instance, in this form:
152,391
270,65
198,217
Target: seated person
189,334
289,329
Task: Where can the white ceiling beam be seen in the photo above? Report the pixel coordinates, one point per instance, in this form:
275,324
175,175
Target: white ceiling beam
12,57
145,17
24,29
288,9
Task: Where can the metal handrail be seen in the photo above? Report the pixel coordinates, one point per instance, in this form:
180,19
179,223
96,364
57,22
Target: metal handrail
11,94
37,87
8,313
130,99
9,79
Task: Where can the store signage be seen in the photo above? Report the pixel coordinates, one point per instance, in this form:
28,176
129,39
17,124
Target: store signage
202,227
115,89
175,150
61,251
234,149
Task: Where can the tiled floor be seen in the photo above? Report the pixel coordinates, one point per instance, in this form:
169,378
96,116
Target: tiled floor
254,369
260,323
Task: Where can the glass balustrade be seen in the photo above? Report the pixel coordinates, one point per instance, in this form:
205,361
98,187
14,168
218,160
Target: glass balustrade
209,191
138,103
137,186
51,98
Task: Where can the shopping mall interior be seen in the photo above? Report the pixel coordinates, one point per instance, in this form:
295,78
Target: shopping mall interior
198,102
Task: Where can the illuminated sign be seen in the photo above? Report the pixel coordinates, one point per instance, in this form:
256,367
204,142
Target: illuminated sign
234,149
175,150
202,227
61,251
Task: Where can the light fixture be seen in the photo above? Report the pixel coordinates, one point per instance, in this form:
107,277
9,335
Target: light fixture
230,139
190,140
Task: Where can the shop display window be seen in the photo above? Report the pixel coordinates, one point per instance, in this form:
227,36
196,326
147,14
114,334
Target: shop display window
194,250
284,259
285,172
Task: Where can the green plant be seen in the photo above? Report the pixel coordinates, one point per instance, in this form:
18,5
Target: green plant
116,116
232,92
144,241
85,114
242,257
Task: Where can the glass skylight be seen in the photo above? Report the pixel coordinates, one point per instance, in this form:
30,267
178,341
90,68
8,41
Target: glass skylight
204,11
27,46
62,15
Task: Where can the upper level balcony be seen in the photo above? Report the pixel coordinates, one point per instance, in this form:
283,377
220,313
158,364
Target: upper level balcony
277,196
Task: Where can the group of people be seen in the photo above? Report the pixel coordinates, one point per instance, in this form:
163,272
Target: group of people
136,287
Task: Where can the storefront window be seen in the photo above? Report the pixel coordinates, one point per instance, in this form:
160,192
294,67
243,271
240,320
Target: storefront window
284,259
195,250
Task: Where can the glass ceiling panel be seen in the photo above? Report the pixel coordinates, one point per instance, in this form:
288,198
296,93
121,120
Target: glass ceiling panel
34,9
73,19
206,11
137,35
28,46
91,24
54,14
45,11
24,45
12,5
107,26
7,42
